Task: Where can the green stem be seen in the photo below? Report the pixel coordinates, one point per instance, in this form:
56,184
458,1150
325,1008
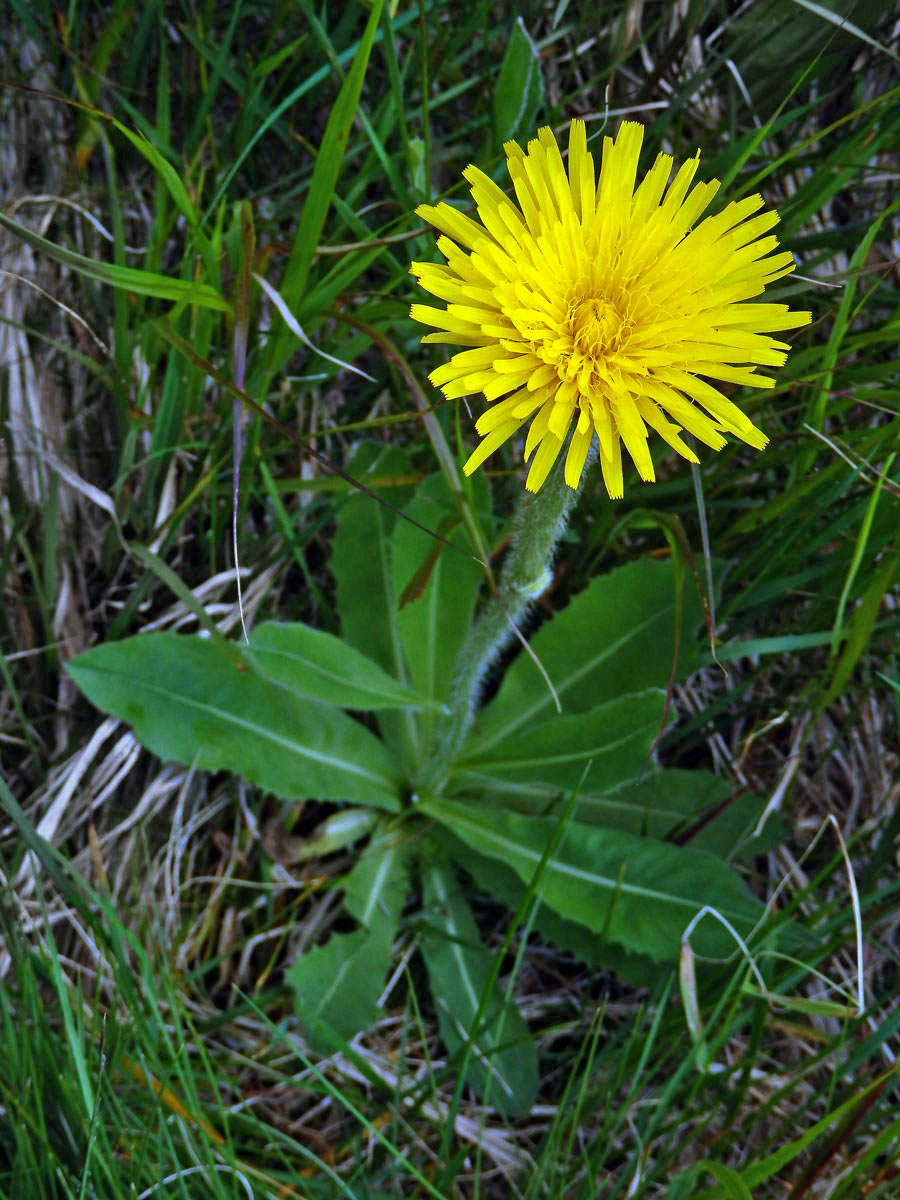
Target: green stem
539,523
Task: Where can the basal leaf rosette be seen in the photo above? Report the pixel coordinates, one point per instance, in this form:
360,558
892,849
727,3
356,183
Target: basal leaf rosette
592,306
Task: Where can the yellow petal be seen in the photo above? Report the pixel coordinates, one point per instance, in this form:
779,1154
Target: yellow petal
577,455
492,442
546,455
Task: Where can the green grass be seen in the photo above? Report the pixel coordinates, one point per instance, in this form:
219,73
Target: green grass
148,1044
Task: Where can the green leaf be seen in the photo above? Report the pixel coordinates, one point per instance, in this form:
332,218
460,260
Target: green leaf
653,804
503,1063
337,986
313,663
361,562
615,637
361,559
375,890
637,891
519,94
433,625
616,738
201,702
594,949
129,279
729,835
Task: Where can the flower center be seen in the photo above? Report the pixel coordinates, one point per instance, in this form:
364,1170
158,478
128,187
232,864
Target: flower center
598,331
597,328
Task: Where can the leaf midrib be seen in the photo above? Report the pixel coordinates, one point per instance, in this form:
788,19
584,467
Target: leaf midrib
566,870
529,713
332,677
574,756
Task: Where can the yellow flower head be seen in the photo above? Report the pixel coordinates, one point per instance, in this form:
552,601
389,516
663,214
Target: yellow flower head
595,307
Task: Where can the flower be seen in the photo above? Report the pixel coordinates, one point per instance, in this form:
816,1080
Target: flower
595,307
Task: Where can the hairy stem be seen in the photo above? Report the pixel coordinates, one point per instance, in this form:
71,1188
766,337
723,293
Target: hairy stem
538,525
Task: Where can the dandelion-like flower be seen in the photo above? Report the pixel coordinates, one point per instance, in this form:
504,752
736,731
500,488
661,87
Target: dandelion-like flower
595,307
